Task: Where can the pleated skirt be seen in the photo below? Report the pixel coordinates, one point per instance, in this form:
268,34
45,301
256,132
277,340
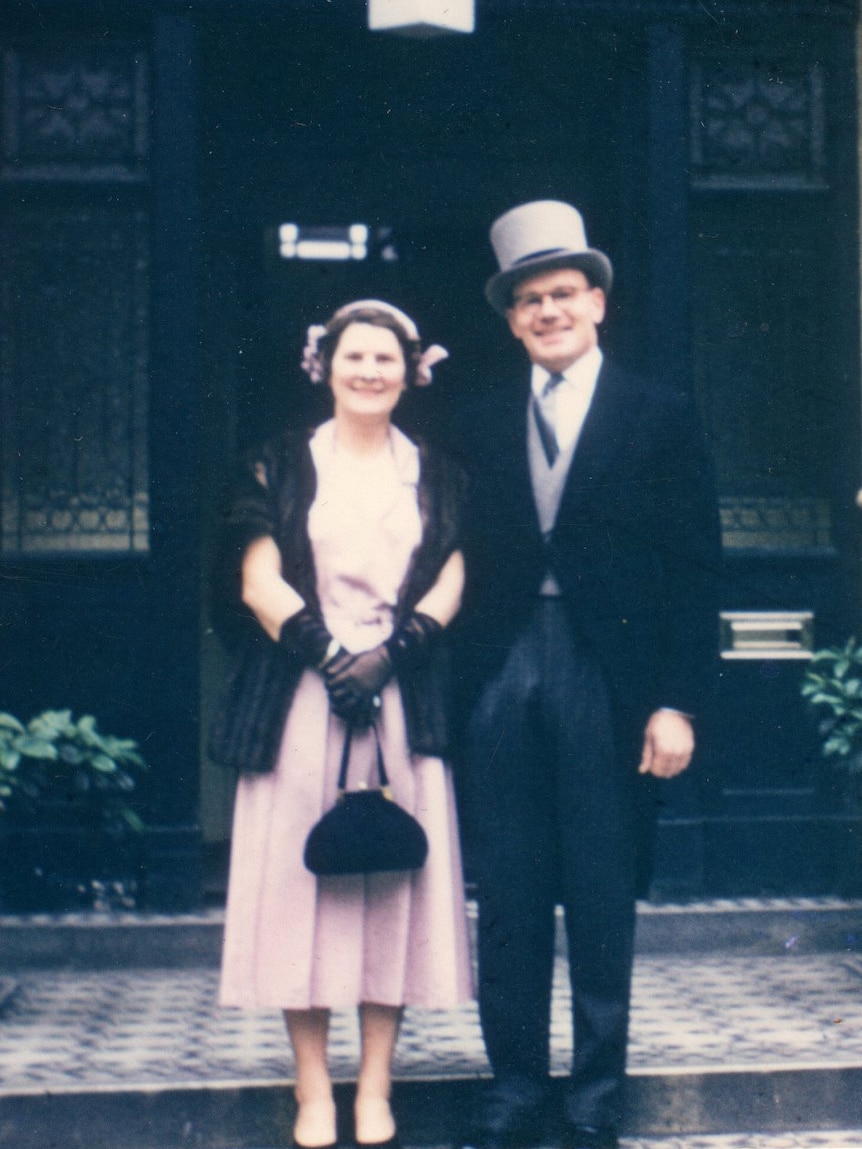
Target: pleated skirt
295,941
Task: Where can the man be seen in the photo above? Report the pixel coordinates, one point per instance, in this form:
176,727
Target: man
591,626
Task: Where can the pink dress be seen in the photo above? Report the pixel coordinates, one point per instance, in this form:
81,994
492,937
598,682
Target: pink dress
294,941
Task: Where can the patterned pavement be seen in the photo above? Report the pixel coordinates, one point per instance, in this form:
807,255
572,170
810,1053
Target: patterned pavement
835,1140
74,1030
89,1031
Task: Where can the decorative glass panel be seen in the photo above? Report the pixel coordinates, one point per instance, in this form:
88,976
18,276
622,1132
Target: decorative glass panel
768,388
776,524
754,126
73,389
75,115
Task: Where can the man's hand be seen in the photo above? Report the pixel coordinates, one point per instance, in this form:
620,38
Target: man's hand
668,744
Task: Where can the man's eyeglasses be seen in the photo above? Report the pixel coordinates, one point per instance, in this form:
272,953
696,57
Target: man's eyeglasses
531,302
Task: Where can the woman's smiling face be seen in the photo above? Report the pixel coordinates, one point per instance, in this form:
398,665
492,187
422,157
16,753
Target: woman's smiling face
368,371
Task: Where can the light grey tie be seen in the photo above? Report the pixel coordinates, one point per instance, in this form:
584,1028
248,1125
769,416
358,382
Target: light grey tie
545,412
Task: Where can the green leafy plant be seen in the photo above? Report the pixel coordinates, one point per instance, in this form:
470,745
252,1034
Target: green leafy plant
833,687
56,757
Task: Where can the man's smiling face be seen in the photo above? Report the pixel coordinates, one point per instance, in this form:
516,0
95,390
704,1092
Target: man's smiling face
556,316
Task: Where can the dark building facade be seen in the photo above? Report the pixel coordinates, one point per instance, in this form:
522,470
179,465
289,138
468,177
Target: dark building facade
162,165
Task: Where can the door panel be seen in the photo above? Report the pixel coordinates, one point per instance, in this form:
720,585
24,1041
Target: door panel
98,550
772,369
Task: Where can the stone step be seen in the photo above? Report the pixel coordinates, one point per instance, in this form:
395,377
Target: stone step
746,1021
804,1108
741,926
735,1043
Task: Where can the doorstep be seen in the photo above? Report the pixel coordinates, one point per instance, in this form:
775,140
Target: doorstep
743,926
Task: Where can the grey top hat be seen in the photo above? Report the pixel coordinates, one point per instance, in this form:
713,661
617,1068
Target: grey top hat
541,236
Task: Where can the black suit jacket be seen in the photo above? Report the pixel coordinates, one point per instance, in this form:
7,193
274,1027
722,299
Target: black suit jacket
635,547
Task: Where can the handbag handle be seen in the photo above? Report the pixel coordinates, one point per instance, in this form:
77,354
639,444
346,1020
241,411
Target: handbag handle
345,761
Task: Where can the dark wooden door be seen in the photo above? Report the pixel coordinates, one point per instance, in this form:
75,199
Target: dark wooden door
774,342
98,400
718,172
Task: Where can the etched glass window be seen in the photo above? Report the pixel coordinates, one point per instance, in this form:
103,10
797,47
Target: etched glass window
73,388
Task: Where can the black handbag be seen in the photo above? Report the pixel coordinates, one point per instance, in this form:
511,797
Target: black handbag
366,831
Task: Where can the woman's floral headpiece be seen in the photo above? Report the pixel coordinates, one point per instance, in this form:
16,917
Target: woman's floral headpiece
312,364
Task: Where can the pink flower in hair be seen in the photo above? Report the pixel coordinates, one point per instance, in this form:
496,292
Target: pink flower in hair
429,358
311,363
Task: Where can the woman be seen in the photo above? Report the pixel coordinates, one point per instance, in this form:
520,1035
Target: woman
345,548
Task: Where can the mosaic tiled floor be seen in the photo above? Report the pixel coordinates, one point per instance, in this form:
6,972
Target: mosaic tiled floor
75,1031
717,1012
842,1139
835,1140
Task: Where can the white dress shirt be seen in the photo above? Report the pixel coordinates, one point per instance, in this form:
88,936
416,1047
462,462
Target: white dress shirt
573,395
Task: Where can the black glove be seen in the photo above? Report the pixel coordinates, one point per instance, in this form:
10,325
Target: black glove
354,684
412,639
305,635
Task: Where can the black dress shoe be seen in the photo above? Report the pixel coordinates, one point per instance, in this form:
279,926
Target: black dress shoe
587,1137
513,1137
506,1123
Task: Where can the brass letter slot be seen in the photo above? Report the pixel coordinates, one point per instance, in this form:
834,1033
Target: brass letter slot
767,634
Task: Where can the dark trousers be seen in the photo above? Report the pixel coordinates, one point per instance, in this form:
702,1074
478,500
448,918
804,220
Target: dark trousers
549,806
